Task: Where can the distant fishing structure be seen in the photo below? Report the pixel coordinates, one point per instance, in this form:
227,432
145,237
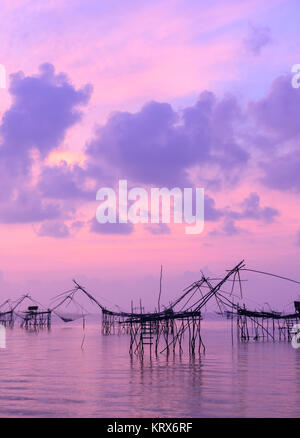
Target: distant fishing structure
34,317
164,329
260,324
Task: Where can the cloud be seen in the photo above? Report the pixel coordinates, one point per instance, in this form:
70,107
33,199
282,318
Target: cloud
77,225
228,228
251,209
58,229
64,182
27,207
157,145
276,119
257,38
158,229
43,108
211,213
110,228
282,172
277,114
55,229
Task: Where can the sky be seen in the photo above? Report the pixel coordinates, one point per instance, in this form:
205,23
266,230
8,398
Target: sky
162,94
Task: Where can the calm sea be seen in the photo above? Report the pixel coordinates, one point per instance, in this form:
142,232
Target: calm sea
48,374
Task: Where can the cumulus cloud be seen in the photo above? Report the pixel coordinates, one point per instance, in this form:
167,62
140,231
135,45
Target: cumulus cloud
157,229
77,225
211,213
251,209
228,228
64,182
257,38
55,229
277,114
44,107
27,207
282,172
158,145
109,228
58,228
155,146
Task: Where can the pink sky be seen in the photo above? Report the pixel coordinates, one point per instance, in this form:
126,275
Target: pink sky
238,141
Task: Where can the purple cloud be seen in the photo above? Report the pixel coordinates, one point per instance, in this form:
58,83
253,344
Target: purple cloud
282,172
251,209
77,225
28,207
55,229
110,228
277,114
257,38
211,213
154,146
228,228
43,108
157,229
158,145
64,182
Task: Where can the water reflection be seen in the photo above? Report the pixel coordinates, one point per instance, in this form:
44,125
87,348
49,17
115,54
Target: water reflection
51,374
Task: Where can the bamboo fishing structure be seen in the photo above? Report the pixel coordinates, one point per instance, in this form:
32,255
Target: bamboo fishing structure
259,324
161,330
6,314
167,328
33,317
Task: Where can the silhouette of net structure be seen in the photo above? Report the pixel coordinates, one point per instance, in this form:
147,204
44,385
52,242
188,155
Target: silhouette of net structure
32,316
167,328
161,330
7,314
258,324
67,308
